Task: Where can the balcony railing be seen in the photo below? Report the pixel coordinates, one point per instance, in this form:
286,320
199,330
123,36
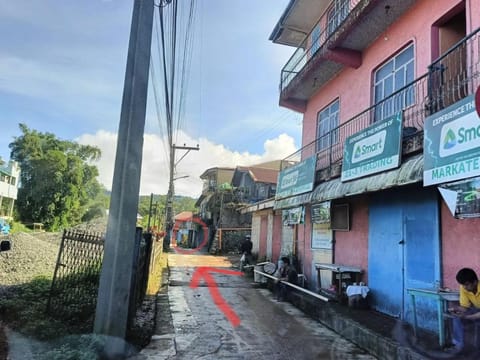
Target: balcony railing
451,78
328,23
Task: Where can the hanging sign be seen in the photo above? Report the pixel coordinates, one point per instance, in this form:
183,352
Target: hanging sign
462,198
374,149
293,216
452,144
321,213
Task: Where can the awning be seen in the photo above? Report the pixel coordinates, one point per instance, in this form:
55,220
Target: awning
293,201
410,172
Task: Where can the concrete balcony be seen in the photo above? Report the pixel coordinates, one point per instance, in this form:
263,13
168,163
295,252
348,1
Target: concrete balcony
451,78
337,40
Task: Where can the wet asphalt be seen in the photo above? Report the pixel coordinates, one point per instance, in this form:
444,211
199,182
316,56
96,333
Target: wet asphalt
227,316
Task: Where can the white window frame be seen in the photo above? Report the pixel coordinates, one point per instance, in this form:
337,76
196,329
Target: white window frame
327,126
401,74
336,14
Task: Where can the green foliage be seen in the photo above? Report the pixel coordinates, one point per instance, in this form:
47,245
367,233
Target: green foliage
59,187
180,203
83,347
17,227
23,308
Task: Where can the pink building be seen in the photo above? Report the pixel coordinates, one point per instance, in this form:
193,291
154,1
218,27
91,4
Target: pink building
386,89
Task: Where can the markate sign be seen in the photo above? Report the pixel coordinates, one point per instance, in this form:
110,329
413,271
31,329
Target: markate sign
296,179
373,150
452,144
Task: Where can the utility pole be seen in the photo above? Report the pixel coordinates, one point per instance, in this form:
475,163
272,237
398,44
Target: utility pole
111,315
169,205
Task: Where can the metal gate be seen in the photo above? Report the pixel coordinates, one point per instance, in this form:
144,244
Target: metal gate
403,250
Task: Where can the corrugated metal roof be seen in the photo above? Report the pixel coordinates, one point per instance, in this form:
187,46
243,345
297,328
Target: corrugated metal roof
293,201
263,175
410,172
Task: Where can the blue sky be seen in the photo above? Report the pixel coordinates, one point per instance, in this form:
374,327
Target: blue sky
62,67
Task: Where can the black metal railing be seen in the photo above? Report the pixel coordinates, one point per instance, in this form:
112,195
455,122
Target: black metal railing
452,77
455,74
314,42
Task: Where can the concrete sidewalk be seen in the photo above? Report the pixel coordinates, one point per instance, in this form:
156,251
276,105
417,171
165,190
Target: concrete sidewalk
378,334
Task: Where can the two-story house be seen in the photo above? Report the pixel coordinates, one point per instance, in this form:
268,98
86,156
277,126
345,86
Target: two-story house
9,182
386,89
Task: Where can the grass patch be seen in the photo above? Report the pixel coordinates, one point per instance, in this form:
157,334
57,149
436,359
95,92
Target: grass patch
23,308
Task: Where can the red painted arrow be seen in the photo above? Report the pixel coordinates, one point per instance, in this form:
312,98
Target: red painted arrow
204,272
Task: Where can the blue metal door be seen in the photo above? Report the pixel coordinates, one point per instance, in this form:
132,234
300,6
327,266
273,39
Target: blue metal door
404,250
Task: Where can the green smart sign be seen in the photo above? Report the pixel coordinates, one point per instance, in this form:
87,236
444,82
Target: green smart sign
374,149
296,179
451,143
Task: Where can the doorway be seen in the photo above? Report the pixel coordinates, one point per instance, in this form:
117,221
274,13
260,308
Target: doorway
403,250
448,71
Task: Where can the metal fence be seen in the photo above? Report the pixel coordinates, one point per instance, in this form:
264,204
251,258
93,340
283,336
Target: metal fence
73,293
74,288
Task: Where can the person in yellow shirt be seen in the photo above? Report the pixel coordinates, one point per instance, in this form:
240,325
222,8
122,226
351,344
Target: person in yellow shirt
469,307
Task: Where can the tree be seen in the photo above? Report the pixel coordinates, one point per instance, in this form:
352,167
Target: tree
57,183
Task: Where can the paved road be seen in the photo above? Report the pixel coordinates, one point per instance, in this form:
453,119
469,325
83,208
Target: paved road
267,330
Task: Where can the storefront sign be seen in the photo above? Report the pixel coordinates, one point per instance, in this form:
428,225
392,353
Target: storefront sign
452,144
296,179
321,236
466,202
293,216
321,213
374,149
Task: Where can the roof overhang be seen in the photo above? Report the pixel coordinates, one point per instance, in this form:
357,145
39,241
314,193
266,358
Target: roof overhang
410,172
293,201
297,21
261,205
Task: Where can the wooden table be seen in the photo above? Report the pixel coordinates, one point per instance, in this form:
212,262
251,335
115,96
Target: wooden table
441,297
344,272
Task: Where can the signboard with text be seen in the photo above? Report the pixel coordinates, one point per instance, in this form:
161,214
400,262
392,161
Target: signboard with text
465,199
321,213
296,179
452,144
322,236
374,149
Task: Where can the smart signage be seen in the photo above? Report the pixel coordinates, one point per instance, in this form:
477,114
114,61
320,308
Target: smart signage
296,179
374,149
452,143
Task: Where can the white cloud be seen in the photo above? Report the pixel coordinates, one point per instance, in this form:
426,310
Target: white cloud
155,169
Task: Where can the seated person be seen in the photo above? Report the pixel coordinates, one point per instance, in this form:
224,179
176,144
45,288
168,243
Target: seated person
469,305
285,272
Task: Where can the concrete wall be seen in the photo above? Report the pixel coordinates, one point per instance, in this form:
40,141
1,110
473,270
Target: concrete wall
277,235
351,247
353,87
460,244
262,252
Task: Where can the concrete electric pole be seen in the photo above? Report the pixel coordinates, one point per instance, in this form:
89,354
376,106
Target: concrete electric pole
115,280
171,191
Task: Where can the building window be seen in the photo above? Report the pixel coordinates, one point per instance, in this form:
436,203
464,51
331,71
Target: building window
327,126
389,79
13,181
337,13
315,38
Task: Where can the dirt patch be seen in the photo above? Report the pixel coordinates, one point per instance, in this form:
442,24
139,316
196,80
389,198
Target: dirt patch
35,254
